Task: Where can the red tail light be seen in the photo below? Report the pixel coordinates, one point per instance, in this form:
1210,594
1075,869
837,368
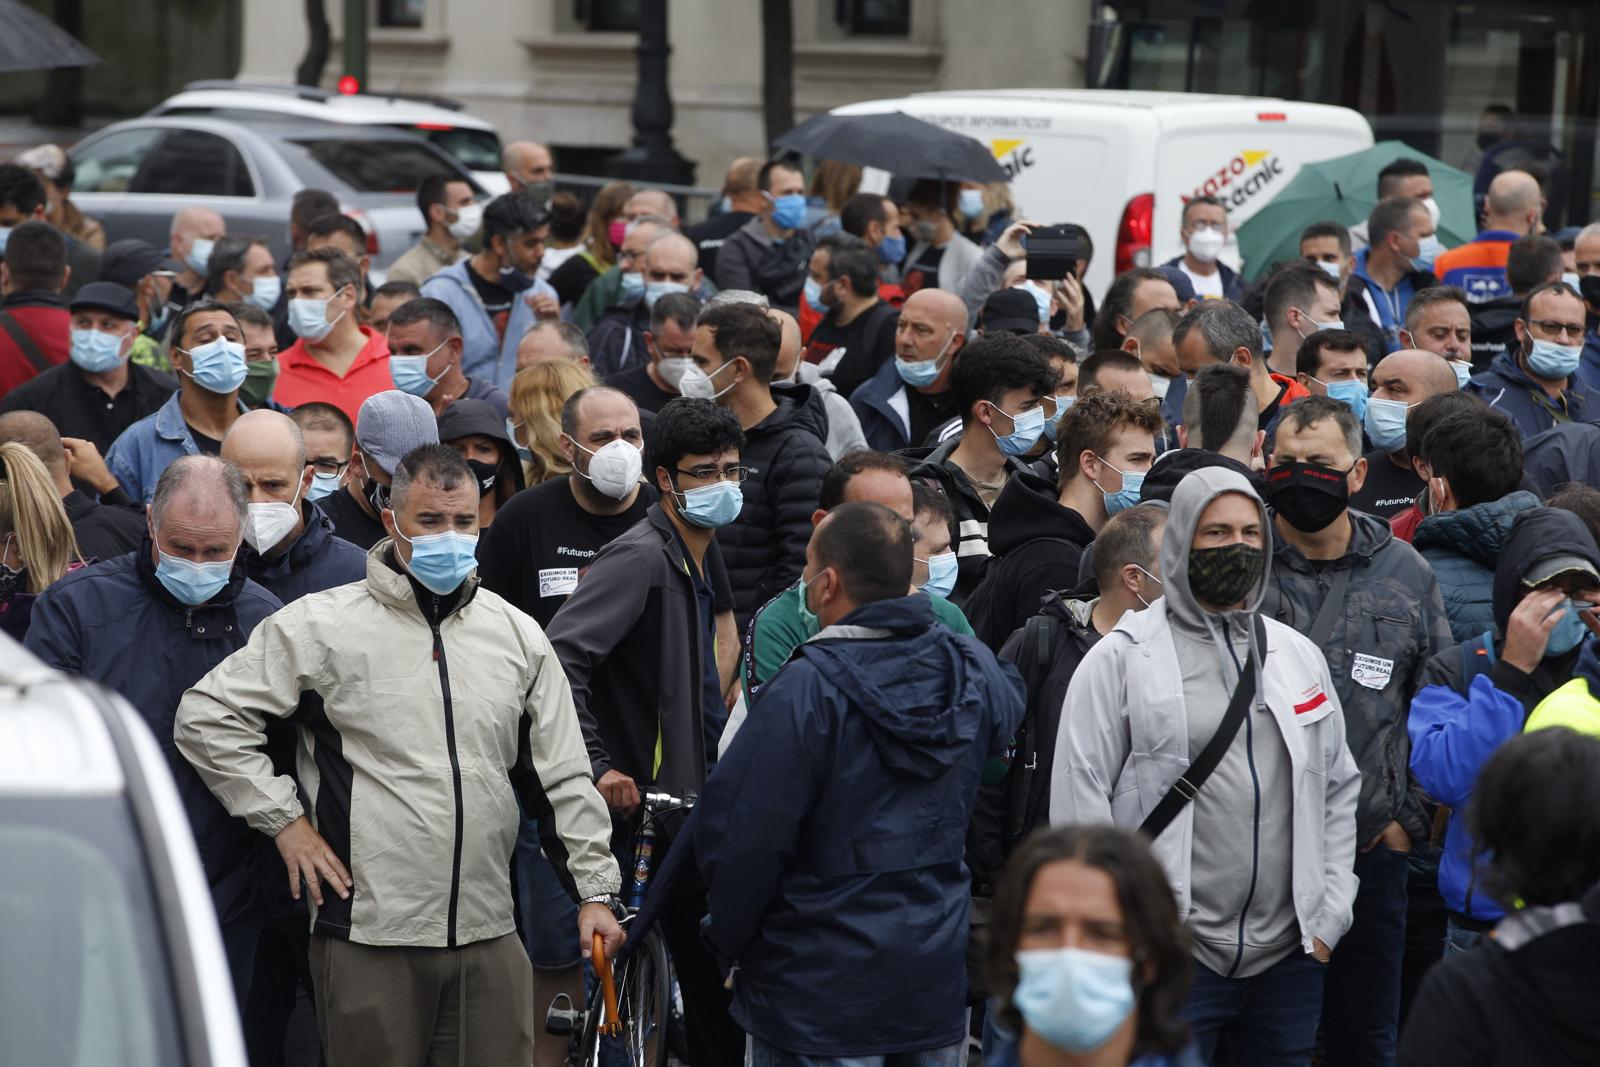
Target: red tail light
372,231
1133,233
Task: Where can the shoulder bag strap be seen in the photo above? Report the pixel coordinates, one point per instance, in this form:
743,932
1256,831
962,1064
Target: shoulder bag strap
25,343
1187,787
1332,608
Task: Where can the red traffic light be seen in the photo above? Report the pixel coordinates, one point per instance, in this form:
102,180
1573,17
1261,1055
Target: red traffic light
349,85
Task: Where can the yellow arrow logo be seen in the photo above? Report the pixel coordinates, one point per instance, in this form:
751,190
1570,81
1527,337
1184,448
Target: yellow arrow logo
1004,148
1251,158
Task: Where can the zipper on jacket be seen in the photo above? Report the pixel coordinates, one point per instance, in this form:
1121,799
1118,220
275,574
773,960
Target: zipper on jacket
455,767
1255,825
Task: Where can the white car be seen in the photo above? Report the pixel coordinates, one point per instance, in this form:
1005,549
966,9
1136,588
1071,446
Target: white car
109,950
472,141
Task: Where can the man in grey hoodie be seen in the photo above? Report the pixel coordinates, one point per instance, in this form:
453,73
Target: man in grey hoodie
1260,860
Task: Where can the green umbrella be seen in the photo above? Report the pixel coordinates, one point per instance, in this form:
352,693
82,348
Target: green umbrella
1345,190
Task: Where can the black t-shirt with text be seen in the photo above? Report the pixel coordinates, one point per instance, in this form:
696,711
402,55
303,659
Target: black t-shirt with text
924,273
866,341
1388,490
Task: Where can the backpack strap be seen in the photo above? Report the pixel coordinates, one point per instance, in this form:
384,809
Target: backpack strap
25,343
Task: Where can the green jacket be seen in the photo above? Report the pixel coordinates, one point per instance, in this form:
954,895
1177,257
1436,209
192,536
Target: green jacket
777,630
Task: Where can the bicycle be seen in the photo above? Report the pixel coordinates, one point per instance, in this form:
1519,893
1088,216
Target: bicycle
641,977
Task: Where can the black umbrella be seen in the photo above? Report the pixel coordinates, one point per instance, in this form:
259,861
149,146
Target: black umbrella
895,142
29,41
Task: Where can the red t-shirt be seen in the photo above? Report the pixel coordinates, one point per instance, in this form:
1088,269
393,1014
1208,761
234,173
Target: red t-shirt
302,379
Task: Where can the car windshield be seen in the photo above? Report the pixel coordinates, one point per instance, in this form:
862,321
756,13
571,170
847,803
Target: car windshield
473,149
368,165
84,968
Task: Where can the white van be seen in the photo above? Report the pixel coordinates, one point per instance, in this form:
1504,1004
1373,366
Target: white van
1123,163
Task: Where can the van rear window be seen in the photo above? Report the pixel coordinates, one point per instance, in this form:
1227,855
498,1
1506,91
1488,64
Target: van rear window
374,166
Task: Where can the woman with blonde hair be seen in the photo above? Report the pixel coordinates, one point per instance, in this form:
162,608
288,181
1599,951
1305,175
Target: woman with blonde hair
37,545
602,237
537,395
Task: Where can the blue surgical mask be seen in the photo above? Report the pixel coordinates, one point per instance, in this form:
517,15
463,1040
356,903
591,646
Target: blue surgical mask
1041,300
192,583
1463,369
813,289
808,618
1352,392
1568,634
632,285
1330,269
1128,495
442,561
942,570
654,291
309,318
523,452
922,372
1552,361
970,202
891,250
264,292
157,323
199,256
219,365
5,235
410,373
788,212
1053,426
1073,999
1026,427
322,485
1386,424
1428,251
96,352
711,506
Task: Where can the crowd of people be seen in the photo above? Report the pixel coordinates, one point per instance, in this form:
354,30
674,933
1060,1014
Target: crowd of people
1199,671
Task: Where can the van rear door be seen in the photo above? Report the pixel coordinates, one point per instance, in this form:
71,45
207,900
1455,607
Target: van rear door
1241,152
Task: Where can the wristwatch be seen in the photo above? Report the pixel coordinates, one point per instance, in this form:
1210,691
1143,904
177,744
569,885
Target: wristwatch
612,902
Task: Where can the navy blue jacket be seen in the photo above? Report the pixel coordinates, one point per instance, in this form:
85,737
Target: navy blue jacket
1463,548
316,561
1505,385
116,624
1232,284
831,834
1588,377
882,426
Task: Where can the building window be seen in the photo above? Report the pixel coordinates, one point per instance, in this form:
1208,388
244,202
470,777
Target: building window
874,18
614,15
401,14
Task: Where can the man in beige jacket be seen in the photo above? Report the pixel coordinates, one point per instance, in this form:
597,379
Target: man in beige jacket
428,708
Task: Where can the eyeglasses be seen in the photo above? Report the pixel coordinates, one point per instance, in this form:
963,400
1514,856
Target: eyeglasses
330,469
1570,329
731,473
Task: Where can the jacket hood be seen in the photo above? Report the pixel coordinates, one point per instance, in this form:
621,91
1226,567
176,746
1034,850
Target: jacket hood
1478,532
1173,465
1193,495
1027,509
800,407
919,687
1535,535
1073,610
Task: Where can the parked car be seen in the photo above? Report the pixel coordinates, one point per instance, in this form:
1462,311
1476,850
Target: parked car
472,141
135,175
111,951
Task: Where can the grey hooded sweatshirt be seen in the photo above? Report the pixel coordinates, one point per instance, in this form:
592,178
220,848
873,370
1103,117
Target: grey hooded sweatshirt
1260,863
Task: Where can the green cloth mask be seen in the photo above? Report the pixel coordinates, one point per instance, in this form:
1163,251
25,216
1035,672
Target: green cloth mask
259,378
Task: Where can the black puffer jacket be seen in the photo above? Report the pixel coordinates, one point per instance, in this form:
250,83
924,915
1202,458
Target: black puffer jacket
765,548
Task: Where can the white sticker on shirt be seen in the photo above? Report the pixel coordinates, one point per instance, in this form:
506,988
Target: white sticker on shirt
1370,671
558,581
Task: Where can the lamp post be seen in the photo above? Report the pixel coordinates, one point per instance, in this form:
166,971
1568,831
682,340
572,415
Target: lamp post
652,157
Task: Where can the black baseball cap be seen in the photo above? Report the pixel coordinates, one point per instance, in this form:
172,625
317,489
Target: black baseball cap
106,296
1010,309
126,262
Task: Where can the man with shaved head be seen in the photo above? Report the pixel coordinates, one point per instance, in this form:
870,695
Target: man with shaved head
741,202
1512,210
651,202
102,531
291,547
530,169
1400,382
909,396
152,623
669,265
195,231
